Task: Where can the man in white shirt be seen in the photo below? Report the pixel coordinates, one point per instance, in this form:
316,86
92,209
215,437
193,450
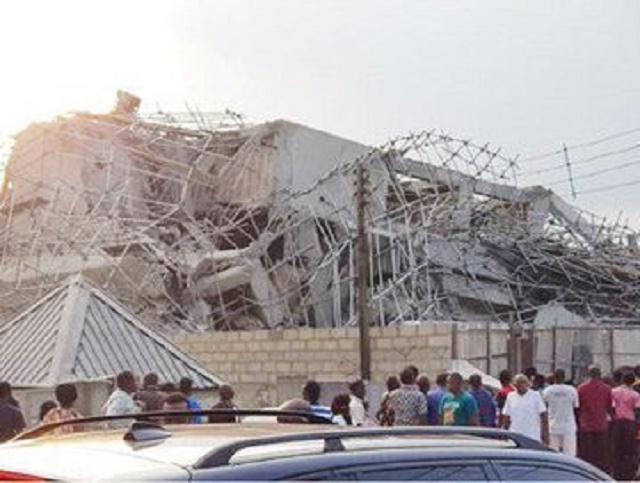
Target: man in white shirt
525,412
356,405
562,401
121,401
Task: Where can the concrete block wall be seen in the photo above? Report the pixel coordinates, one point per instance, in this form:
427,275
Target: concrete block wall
626,348
472,345
608,349
267,367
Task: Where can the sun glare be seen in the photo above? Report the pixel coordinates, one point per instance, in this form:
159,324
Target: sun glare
71,55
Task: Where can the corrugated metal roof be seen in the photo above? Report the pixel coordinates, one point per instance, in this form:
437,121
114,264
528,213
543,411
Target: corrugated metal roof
77,333
35,333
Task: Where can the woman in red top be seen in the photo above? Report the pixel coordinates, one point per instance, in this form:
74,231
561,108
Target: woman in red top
501,397
626,404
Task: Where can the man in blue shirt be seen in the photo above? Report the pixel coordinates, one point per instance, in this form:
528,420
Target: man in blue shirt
458,408
434,398
186,388
487,409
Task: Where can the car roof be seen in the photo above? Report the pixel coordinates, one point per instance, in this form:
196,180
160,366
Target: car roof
82,456
358,439
186,443
175,450
183,447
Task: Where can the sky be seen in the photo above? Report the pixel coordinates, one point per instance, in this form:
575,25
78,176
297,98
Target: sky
525,76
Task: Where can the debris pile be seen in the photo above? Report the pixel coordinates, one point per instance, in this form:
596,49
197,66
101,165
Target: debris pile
224,226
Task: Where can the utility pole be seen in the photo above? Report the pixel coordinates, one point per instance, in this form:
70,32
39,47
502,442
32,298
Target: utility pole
362,270
568,163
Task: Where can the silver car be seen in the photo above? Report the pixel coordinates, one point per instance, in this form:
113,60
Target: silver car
260,448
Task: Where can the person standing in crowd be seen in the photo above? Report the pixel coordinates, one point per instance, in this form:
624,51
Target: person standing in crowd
434,398
551,380
486,406
626,405
11,418
424,386
562,403
150,396
507,387
311,393
539,383
340,410
458,407
186,388
176,401
295,405
357,407
595,410
408,403
636,384
121,401
226,394
66,395
531,373
385,414
415,371
14,402
525,412
45,407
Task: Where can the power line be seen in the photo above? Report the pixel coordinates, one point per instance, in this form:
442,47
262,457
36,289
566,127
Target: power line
609,187
605,139
591,174
586,144
588,160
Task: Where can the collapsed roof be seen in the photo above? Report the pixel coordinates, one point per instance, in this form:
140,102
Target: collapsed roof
232,227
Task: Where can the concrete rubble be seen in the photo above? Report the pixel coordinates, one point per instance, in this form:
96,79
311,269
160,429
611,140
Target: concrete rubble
210,225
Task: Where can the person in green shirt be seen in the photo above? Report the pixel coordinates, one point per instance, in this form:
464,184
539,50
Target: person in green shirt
458,407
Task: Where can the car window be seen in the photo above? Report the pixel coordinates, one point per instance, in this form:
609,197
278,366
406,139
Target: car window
541,472
430,472
317,476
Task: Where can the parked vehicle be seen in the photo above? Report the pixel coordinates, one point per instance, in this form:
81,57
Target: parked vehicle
300,450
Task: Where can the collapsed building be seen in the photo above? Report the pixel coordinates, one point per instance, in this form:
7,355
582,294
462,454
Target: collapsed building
202,224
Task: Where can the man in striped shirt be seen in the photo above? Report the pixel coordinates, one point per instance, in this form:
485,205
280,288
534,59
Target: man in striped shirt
311,394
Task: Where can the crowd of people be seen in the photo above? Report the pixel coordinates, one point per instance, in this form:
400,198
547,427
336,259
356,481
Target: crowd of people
597,421
125,399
